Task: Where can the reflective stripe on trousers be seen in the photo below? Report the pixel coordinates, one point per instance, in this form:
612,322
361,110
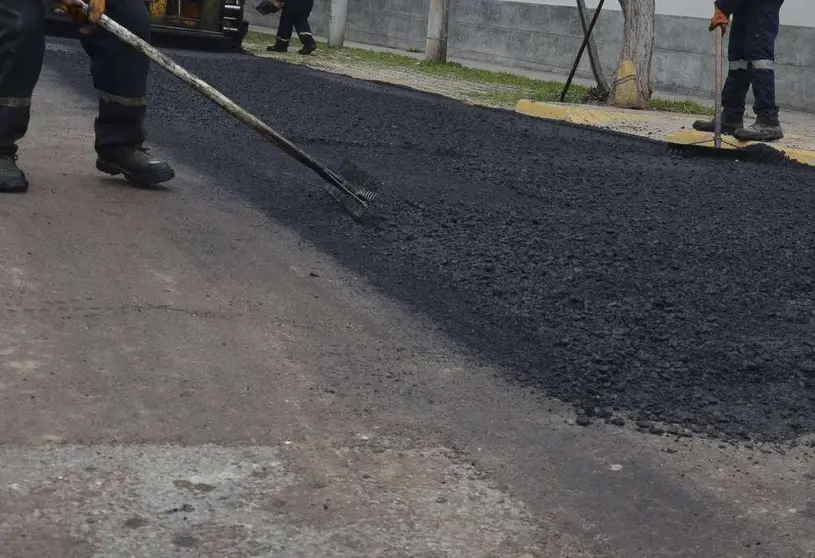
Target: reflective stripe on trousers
15,102
755,64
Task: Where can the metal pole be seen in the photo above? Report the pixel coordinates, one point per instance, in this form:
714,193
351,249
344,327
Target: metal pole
336,25
586,37
717,136
437,22
594,59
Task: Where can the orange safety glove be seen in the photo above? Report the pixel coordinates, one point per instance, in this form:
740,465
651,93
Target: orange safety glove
72,10
719,19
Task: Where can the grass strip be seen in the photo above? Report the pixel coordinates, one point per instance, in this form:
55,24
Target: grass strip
503,88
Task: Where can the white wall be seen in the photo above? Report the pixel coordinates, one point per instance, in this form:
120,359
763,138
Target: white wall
793,12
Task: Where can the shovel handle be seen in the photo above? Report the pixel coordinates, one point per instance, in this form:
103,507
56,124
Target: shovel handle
717,138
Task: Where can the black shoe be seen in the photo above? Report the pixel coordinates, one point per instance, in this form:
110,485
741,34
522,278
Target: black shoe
760,132
710,126
279,46
308,47
135,164
12,179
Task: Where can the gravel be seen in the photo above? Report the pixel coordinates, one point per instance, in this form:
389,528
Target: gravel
594,268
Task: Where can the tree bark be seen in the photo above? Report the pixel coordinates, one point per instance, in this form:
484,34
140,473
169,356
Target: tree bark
632,81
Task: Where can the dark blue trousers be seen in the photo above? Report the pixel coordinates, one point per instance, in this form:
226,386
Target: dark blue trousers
119,72
753,32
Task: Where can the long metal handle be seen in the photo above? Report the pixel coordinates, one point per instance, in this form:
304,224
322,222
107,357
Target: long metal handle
222,100
717,137
586,37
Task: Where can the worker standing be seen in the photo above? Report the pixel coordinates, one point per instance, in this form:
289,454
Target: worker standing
294,15
751,53
119,75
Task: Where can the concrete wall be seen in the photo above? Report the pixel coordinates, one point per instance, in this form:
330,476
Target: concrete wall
795,12
546,36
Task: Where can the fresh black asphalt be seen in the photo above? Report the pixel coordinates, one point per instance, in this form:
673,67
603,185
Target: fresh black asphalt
594,268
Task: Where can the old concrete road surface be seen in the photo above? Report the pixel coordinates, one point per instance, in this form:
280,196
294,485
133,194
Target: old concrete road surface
232,367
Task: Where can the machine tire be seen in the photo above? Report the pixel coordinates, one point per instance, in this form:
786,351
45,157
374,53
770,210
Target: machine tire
235,43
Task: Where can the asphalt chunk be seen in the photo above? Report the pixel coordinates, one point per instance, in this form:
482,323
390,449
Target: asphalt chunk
594,267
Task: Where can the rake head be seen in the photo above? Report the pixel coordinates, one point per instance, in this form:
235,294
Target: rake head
354,188
760,153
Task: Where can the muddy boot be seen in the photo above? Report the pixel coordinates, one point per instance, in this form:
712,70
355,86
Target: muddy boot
309,45
135,164
279,46
760,131
12,179
710,126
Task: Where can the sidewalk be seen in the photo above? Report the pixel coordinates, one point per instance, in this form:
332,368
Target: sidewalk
469,63
533,74
799,127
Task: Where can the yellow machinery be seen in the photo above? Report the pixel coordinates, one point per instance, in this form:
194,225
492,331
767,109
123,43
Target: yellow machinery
221,21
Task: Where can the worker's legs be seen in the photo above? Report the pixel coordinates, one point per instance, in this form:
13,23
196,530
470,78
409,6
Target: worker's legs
760,56
737,83
120,77
284,30
304,31
22,46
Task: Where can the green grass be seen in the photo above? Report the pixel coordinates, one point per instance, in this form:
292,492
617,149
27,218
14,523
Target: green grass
509,87
685,107
513,86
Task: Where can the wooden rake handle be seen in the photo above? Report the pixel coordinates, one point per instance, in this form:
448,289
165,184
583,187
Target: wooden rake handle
717,137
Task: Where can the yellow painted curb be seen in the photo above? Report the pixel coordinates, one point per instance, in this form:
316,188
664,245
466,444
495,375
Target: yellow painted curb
592,117
693,137
705,139
801,155
596,117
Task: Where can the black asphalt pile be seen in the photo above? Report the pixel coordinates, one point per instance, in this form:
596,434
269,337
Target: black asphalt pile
595,268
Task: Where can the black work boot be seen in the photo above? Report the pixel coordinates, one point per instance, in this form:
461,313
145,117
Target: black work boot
279,46
135,164
309,45
728,127
760,131
12,179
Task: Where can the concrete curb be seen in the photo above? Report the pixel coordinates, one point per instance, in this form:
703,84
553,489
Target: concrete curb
578,115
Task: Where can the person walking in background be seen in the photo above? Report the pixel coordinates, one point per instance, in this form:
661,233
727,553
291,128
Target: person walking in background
294,15
751,53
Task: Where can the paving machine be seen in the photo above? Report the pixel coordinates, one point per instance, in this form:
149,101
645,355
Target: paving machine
219,21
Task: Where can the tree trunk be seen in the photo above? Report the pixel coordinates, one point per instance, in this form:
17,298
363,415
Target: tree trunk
632,82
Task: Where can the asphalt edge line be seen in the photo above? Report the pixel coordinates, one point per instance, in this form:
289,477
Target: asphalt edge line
577,116
585,119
